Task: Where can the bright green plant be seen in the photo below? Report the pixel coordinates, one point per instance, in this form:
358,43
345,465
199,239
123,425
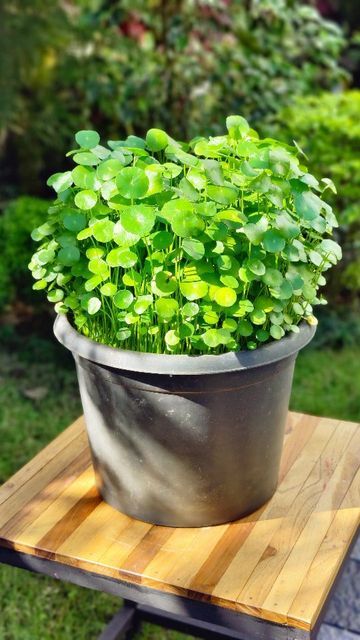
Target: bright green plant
157,246
328,129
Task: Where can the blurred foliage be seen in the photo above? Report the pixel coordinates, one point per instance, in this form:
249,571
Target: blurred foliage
126,65
16,246
327,128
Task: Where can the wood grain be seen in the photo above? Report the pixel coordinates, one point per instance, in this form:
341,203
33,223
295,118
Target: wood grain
278,564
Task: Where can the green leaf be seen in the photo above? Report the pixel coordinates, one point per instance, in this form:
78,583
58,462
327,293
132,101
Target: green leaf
68,255
86,158
222,195
225,297
166,308
245,328
190,309
194,248
99,267
109,169
229,281
172,338
258,316
276,332
194,290
87,139
331,249
44,256
103,230
86,199
273,241
142,304
93,282
237,126
307,204
74,221
85,178
93,305
177,206
214,337
123,334
60,181
256,266
132,182
164,283
207,209
123,299
156,140
162,240
273,277
122,237
121,257
138,219
55,295
255,231
213,172
108,289
187,224
230,325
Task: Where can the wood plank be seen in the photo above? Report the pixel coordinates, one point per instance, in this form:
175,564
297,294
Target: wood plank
31,510
44,456
254,545
207,576
45,531
288,582
31,484
317,582
280,538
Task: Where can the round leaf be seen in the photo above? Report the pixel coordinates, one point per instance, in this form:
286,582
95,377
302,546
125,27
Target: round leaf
164,283
190,309
109,169
87,139
273,241
108,289
156,140
124,238
225,297
245,328
68,255
60,181
123,299
276,331
187,224
132,183
138,219
93,305
86,158
121,258
172,338
194,248
74,221
166,308
85,178
86,199
103,230
194,290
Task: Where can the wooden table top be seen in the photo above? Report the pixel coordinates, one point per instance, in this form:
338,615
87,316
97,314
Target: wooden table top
277,564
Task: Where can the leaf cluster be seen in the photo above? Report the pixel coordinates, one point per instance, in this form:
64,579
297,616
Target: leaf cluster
160,246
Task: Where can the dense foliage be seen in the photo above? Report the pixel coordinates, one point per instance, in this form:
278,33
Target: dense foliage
328,129
134,64
213,246
16,223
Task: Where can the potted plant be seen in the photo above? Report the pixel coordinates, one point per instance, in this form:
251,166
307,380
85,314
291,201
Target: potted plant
184,278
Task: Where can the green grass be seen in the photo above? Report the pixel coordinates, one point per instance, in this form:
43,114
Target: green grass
38,608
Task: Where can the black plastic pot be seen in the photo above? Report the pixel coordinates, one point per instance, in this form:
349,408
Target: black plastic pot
185,441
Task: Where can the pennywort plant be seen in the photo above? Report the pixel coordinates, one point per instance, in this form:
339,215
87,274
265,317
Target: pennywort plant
159,246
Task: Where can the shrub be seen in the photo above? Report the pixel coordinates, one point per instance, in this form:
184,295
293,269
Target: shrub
16,247
159,246
328,129
182,65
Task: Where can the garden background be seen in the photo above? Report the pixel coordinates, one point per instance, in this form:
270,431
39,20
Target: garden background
291,68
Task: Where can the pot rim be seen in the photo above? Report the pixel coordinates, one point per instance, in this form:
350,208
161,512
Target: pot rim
168,364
